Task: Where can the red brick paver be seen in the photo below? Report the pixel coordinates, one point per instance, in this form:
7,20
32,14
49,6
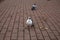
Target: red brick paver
14,13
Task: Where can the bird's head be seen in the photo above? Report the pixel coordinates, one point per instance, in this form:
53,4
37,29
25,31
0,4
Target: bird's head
29,17
34,4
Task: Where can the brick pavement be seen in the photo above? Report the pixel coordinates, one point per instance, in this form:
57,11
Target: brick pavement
14,13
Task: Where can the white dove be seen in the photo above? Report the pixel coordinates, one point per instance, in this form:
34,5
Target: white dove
29,22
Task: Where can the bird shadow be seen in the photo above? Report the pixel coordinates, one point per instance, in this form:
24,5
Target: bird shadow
29,27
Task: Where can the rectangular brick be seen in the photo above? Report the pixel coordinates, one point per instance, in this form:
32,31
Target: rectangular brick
49,30
38,31
1,36
26,36
5,27
15,30
56,33
20,34
52,35
44,33
3,31
47,38
7,38
33,38
10,27
20,38
58,37
8,34
15,26
14,36
39,36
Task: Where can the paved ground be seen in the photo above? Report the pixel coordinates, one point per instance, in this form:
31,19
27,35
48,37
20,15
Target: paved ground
14,13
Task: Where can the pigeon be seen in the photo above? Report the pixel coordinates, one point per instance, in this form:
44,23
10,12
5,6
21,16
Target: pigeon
29,22
33,7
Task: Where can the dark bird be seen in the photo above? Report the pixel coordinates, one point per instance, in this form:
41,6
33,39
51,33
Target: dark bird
33,7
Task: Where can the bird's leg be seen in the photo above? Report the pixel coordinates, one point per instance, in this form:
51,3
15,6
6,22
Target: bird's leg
33,8
32,25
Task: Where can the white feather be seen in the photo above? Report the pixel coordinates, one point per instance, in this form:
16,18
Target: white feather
29,22
34,6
